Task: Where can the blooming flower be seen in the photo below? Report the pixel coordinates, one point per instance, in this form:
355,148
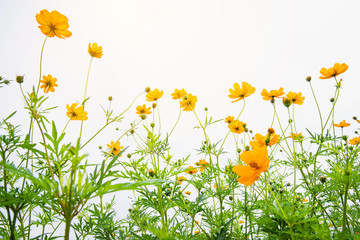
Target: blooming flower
229,119
76,113
297,136
178,94
188,102
143,110
295,98
257,161
236,126
48,83
333,71
154,95
241,222
95,50
342,124
269,140
354,141
187,192
191,170
240,93
203,164
272,94
180,179
115,148
53,24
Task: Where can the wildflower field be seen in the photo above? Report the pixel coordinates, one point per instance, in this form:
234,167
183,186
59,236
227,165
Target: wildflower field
287,182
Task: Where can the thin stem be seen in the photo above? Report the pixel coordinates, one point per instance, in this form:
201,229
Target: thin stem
83,103
41,56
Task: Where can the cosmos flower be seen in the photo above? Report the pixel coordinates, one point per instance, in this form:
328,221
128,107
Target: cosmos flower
48,83
191,170
188,102
53,24
236,126
333,71
76,113
242,92
95,50
143,110
178,94
342,124
272,94
115,148
295,98
154,95
229,119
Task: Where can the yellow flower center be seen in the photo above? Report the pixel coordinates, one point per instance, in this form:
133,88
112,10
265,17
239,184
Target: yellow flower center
253,164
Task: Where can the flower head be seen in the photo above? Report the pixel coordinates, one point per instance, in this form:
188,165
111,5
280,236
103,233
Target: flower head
297,136
342,124
272,94
191,170
95,50
257,161
180,179
295,98
202,164
269,140
143,110
76,113
354,141
154,95
188,102
53,24
236,126
240,93
187,192
48,83
115,148
178,94
333,71
229,119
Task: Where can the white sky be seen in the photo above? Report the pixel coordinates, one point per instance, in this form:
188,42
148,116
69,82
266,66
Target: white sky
202,46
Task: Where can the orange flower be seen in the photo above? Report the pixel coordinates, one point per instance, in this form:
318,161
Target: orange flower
115,148
295,98
143,110
296,136
342,124
257,161
333,71
187,192
178,94
222,187
236,126
76,113
269,140
188,102
229,119
240,93
48,83
203,164
354,141
272,94
53,24
191,170
95,50
154,95
241,222
180,180
305,200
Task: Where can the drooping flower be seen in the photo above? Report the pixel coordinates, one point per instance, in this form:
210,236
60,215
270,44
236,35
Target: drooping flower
269,140
115,148
188,102
95,50
240,93
48,83
143,110
76,113
257,161
229,119
296,136
236,126
191,170
154,95
342,124
354,141
272,94
180,179
333,71
53,24
295,98
178,94
202,164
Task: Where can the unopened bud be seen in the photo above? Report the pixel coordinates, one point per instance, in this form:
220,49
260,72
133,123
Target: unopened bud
151,173
322,179
19,79
110,98
143,116
206,109
286,102
147,89
272,100
129,155
247,148
154,105
354,117
100,147
308,78
132,131
332,99
152,125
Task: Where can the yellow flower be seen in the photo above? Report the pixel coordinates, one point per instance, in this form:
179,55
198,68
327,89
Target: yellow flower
154,95
297,136
229,119
95,50
342,124
272,94
354,141
295,98
143,110
181,179
188,102
269,140
257,161
187,192
236,126
115,148
222,187
241,222
333,71
203,164
305,200
197,232
53,24
191,170
76,113
48,83
178,94
240,93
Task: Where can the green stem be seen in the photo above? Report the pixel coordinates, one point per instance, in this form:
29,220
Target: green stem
83,103
41,56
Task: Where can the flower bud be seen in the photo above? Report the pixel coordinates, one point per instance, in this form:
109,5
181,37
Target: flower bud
132,131
206,109
20,79
238,150
100,147
117,129
281,190
129,155
152,125
110,98
286,102
308,78
247,148
151,173
332,99
143,116
185,97
147,89
154,105
322,179
354,117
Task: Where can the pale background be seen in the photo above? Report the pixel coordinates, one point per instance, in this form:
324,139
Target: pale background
202,46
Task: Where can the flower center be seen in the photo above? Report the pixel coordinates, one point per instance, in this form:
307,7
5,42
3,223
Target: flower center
253,164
